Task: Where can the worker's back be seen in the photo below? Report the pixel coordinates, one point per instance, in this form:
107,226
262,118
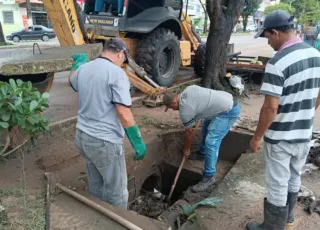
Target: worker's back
293,76
202,103
99,84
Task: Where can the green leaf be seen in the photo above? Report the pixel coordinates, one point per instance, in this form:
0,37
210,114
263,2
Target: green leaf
31,121
29,85
22,123
36,117
4,125
12,106
45,95
33,105
4,88
13,85
6,116
20,109
17,101
19,82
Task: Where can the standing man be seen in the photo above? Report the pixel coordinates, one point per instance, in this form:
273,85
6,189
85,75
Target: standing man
219,110
104,116
291,88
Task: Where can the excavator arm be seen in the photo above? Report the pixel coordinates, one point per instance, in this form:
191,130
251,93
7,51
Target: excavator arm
66,23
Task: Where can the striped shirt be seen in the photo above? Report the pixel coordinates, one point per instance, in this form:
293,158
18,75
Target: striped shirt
293,75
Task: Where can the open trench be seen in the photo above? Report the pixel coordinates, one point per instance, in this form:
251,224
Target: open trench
156,171
148,196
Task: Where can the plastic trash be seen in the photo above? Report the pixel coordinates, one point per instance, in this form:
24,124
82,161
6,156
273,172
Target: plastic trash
237,83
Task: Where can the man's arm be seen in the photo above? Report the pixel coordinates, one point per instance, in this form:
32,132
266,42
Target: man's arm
318,101
189,138
125,115
268,113
121,98
69,77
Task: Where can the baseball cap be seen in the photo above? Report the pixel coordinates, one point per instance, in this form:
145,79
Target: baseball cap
167,100
274,20
119,45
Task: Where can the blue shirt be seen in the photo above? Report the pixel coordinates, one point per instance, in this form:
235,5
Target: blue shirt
101,85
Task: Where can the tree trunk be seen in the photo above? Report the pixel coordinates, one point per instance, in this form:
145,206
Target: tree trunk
223,15
205,27
29,14
2,40
245,22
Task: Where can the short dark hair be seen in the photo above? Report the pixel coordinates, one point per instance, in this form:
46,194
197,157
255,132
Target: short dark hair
110,49
283,29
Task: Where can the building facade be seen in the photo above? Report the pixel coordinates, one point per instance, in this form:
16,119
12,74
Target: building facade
10,16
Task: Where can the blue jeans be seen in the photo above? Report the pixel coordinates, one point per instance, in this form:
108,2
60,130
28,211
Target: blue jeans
106,169
213,131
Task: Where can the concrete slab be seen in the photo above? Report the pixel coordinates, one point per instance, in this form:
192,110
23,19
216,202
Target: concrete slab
243,191
49,60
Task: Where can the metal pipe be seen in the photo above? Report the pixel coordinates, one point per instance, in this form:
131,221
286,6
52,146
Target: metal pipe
99,208
151,81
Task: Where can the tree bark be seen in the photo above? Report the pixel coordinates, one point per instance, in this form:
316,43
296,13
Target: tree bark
205,27
29,15
245,22
2,40
223,15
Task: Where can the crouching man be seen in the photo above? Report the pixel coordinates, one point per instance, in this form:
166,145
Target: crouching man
219,110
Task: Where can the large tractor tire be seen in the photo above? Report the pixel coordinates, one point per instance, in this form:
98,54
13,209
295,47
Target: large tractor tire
159,54
199,60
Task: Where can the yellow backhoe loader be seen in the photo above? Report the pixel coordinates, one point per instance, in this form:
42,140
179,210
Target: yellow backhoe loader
158,33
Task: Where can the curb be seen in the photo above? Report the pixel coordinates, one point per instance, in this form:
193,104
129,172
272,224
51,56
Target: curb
28,46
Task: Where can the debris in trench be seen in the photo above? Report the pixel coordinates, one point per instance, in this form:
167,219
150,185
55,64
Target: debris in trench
314,153
306,198
209,202
314,207
149,204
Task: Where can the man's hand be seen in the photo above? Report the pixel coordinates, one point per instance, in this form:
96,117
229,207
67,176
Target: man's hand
78,60
186,153
255,144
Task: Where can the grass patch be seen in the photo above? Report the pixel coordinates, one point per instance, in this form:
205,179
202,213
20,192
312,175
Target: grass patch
15,192
5,44
150,121
28,212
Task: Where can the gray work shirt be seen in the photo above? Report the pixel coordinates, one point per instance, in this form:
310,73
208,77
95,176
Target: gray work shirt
101,84
198,103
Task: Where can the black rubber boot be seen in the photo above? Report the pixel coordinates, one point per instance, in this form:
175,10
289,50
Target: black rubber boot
292,200
275,218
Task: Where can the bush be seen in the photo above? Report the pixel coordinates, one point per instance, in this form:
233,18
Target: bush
22,106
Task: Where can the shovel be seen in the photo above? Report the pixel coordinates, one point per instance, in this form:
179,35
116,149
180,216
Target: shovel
179,170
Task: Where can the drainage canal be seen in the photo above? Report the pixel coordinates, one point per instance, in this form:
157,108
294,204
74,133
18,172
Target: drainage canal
151,200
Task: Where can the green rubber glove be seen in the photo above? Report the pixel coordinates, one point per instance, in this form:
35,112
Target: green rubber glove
136,141
78,60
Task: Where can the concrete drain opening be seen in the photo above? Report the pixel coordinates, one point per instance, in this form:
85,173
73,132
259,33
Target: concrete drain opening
154,179
152,199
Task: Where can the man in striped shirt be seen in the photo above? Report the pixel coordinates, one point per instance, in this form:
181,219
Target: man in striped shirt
291,88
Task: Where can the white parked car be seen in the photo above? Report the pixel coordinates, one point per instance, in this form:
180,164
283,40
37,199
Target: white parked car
251,28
